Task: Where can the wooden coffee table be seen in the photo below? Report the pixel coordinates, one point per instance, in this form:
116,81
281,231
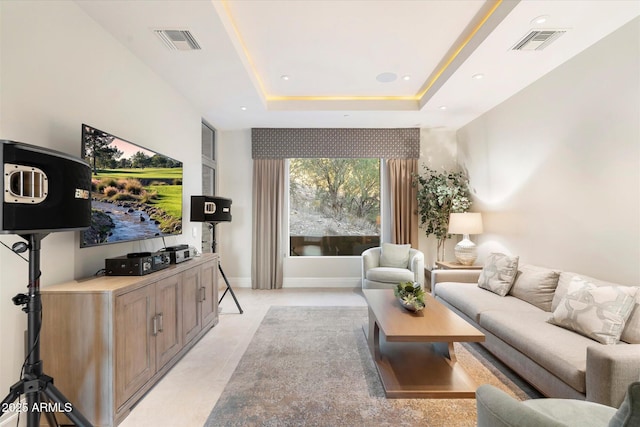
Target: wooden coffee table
414,354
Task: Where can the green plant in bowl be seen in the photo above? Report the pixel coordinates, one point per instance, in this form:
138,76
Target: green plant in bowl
410,295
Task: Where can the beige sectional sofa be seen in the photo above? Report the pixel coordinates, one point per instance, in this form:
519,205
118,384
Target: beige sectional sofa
557,361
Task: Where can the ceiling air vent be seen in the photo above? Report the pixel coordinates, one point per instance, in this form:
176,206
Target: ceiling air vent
538,39
178,39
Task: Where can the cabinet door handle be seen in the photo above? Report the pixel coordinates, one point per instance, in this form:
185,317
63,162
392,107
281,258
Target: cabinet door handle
203,294
160,328
155,325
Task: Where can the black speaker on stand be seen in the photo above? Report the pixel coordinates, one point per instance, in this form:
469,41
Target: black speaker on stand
214,210
44,191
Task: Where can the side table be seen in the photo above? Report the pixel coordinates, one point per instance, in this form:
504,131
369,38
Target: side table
452,265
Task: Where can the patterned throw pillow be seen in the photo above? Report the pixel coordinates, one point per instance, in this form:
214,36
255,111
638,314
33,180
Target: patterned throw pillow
599,313
498,273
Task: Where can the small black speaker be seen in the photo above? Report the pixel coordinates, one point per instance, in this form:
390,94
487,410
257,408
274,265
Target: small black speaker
210,209
44,190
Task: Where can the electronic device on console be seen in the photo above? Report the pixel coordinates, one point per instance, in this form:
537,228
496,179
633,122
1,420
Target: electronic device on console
137,264
180,253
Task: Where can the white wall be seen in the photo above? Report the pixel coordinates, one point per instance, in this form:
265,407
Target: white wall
438,150
235,175
60,69
557,166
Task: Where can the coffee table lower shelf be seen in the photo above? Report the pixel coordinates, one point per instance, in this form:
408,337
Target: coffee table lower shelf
421,370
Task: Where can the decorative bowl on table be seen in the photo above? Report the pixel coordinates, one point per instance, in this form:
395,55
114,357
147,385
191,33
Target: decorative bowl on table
410,295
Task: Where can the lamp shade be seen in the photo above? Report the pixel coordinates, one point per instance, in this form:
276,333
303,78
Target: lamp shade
465,223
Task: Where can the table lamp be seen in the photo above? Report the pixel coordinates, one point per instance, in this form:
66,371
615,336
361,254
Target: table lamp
465,223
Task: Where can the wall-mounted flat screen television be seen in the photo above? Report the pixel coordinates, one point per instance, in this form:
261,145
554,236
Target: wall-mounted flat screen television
136,193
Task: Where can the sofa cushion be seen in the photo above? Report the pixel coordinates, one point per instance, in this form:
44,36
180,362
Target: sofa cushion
573,412
396,256
558,350
535,285
498,273
390,275
472,300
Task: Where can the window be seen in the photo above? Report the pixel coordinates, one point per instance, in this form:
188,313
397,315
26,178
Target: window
334,206
208,142
208,160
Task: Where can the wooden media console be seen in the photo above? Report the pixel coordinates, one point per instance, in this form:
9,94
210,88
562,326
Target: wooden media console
107,340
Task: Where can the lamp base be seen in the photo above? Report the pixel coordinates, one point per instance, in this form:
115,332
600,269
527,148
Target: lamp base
466,251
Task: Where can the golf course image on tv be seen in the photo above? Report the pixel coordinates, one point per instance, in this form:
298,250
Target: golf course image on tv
136,193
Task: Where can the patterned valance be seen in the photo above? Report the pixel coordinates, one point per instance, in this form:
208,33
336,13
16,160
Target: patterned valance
293,143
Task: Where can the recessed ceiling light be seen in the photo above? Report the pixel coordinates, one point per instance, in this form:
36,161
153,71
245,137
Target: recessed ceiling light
540,20
386,77
478,76
243,108
284,77
406,77
442,107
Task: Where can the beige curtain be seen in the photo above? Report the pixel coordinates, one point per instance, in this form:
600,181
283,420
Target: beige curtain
268,206
404,203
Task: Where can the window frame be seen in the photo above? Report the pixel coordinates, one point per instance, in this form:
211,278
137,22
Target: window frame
208,188
385,212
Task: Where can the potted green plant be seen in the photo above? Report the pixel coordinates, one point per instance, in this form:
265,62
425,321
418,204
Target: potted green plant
440,194
410,295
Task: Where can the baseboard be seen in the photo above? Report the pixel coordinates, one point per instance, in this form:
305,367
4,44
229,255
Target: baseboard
302,282
322,282
236,282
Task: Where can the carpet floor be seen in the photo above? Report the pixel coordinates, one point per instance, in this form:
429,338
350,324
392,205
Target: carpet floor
310,366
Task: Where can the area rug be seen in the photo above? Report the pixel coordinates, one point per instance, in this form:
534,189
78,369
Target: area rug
310,366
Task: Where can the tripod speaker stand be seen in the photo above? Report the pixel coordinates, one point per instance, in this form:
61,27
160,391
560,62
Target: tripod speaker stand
41,395
213,210
224,276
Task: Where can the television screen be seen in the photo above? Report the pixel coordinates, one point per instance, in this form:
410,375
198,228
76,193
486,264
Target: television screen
136,193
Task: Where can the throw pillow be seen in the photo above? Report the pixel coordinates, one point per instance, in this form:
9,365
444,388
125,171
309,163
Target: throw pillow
628,414
498,273
565,280
396,256
599,313
536,285
631,331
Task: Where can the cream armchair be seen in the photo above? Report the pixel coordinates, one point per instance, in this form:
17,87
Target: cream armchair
386,266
